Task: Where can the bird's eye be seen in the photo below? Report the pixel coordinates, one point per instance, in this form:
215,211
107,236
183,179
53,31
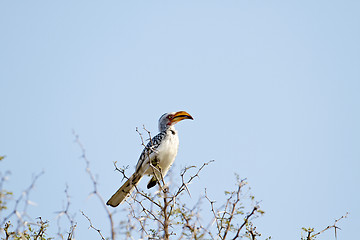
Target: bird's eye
169,117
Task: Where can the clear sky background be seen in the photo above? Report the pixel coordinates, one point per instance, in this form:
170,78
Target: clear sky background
273,87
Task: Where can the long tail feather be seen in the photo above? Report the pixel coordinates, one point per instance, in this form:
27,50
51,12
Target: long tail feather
125,190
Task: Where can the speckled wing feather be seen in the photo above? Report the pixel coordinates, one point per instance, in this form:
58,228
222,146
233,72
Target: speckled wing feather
150,148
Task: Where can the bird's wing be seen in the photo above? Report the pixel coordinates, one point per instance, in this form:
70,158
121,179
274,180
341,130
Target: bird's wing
149,151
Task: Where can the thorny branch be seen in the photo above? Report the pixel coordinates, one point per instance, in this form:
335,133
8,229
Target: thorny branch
69,217
24,197
232,212
251,231
122,170
42,229
184,183
311,236
193,222
92,226
163,208
4,195
225,217
94,181
245,221
214,213
141,219
142,139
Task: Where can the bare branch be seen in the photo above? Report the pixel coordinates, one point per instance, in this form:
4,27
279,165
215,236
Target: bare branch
69,217
94,181
23,198
92,226
186,183
246,220
327,228
214,213
121,170
233,208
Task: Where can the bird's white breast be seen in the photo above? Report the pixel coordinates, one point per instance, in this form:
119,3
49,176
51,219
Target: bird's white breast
167,151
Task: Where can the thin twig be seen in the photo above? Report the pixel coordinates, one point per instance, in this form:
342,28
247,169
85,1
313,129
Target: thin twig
233,208
92,226
245,221
329,227
68,216
25,198
186,183
94,181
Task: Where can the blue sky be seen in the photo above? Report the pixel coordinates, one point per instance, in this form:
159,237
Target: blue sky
273,87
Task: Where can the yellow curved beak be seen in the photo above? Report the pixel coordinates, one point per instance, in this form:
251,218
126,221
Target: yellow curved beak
181,115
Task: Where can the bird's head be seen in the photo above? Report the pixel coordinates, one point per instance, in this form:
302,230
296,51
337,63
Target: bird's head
169,119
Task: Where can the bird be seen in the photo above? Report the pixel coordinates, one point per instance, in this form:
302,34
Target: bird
156,158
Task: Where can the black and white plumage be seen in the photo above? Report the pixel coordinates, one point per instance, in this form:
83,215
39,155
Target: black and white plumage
156,158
